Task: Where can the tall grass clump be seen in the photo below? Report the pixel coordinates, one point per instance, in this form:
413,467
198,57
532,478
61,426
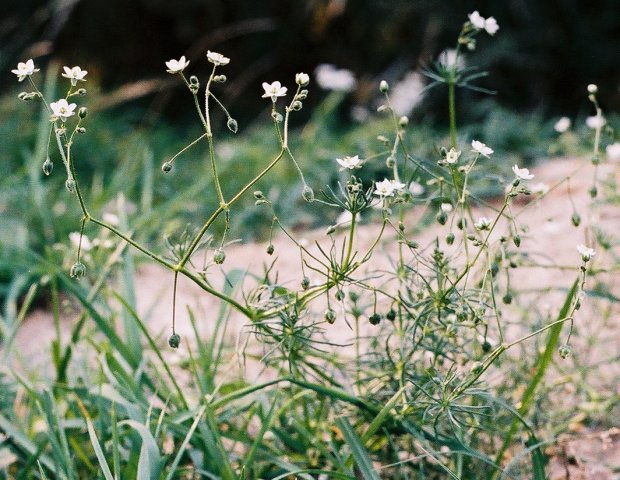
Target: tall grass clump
427,321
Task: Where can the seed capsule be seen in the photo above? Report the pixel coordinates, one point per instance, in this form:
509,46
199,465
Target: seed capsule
330,316
270,249
374,319
174,340
232,125
47,167
305,283
219,256
78,270
166,167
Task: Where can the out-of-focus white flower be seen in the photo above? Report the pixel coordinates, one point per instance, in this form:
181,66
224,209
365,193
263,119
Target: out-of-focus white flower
176,66
397,186
596,121
446,207
24,69
273,90
331,78
451,59
613,151
415,188
346,217
483,223
74,74
481,148
74,238
586,252
476,19
61,109
349,162
522,173
453,155
302,79
385,188
217,58
592,88
562,125
407,93
110,218
541,188
491,26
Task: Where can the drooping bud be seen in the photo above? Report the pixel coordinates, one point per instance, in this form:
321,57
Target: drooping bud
442,217
258,195
270,249
80,130
78,270
83,112
576,219
277,116
565,351
517,240
81,92
391,315
174,340
219,256
70,185
305,283
166,167
450,238
308,194
339,295
330,316
47,167
384,87
232,125
374,319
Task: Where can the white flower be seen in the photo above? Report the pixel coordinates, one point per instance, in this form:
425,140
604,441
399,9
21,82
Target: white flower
74,238
384,188
592,88
483,223
302,79
613,151
586,252
415,188
446,207
476,20
451,59
562,125
176,66
407,93
273,90
596,121
452,156
481,148
61,109
24,69
345,217
397,186
491,26
74,74
541,188
349,162
110,218
331,78
522,173
217,58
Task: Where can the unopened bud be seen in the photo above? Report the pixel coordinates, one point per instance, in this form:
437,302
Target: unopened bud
305,283
339,295
78,270
258,195
174,340
331,229
330,316
384,87
297,105
442,218
391,315
593,191
80,130
270,249
390,162
232,125
308,194
516,240
374,319
507,299
450,238
576,219
219,256
70,185
403,121
565,351
220,78
81,92
83,112
277,116
47,167
592,88
166,167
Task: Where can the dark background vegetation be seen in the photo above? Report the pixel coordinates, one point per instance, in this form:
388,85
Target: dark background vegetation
543,56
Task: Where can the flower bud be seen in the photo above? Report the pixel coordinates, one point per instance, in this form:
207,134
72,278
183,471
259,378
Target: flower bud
23,96
277,116
374,319
450,238
70,185
592,88
339,295
593,191
81,92
219,256
390,162
486,346
461,223
78,270
302,79
516,240
384,87
302,95
391,315
308,194
270,249
258,195
576,219
193,80
383,139
403,121
565,351
305,283
83,112
330,316
331,229
596,160
47,167
232,125
412,244
507,299
166,167
442,218
80,130
476,368
174,340
220,79
296,106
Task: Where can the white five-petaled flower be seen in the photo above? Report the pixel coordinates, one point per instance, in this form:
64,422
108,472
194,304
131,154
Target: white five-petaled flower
453,155
176,66
613,151
386,188
415,188
481,148
61,109
24,69
476,19
273,90
562,125
596,121
74,74
349,162
586,252
302,79
522,173
483,223
491,26
217,58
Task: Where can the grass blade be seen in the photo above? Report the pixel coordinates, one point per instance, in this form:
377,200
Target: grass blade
359,452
